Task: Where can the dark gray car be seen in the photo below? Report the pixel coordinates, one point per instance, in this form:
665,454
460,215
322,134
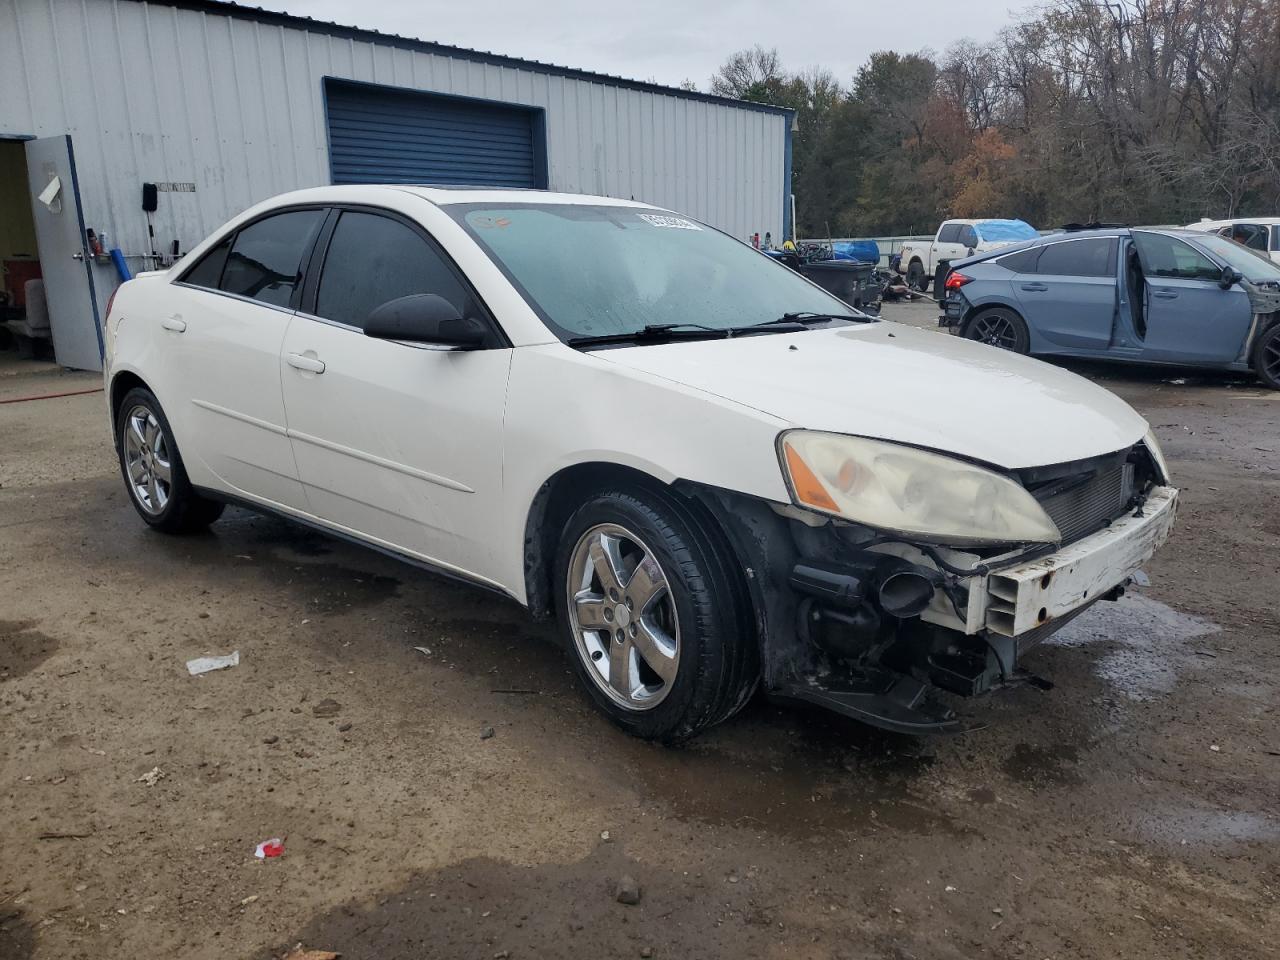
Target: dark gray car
1146,295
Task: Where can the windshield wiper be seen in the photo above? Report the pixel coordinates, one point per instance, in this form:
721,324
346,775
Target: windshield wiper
653,332
806,317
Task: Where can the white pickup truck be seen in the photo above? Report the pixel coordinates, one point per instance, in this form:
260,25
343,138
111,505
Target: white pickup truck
923,261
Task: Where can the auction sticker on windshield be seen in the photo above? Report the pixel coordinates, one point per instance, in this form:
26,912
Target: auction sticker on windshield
674,223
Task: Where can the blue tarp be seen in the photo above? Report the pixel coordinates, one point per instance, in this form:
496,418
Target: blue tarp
863,251
1005,231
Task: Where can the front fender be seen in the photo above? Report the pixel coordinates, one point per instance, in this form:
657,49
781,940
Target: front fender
566,407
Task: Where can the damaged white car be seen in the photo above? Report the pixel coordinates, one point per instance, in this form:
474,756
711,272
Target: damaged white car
714,474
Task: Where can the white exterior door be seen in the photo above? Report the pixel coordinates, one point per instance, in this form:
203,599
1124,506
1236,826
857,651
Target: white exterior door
400,443
64,254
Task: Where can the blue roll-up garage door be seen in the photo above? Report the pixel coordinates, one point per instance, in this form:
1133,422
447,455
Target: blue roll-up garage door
387,135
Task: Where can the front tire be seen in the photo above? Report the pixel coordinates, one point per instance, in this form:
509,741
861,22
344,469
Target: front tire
1266,358
657,621
154,476
1000,327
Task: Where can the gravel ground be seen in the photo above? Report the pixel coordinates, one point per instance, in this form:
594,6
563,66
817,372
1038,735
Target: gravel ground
1129,812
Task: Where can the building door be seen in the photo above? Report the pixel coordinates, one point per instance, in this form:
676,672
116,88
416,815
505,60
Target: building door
387,135
64,254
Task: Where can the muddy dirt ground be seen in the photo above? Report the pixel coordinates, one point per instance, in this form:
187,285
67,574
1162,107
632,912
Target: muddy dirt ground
1132,811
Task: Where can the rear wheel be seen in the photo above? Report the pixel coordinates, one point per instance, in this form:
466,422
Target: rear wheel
1000,327
152,468
657,622
1266,358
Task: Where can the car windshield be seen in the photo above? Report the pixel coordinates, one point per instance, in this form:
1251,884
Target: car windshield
1256,267
1005,231
602,271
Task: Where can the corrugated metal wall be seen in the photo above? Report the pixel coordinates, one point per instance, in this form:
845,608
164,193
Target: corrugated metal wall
150,92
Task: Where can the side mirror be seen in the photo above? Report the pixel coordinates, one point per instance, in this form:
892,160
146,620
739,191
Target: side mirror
425,318
1230,276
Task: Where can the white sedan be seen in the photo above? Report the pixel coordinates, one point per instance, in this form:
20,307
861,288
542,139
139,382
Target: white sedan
714,474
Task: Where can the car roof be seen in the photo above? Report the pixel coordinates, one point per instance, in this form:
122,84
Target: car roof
440,195
1203,225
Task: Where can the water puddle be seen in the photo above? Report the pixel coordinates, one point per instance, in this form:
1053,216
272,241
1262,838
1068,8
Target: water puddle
1148,643
1214,829
784,775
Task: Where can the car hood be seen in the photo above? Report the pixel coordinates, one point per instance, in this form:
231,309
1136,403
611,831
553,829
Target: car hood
894,382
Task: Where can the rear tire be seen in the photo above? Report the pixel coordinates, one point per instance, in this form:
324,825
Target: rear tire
151,466
1000,327
1266,358
656,618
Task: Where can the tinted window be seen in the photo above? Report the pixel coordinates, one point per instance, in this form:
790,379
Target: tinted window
1275,237
374,259
1024,261
968,236
1165,256
208,270
950,233
1079,258
1252,235
266,259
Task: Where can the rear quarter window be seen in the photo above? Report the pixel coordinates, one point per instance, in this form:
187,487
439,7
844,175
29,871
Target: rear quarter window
208,269
950,233
1024,261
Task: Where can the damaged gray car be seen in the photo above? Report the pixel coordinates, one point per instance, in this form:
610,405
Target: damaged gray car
1160,296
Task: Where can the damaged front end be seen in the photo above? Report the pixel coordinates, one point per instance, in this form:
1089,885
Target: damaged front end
876,625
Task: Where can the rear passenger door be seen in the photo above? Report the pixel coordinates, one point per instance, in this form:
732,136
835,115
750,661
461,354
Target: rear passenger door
1069,295
399,443
220,338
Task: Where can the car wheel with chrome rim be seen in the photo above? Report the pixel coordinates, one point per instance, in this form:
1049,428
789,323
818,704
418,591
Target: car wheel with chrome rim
152,468
657,620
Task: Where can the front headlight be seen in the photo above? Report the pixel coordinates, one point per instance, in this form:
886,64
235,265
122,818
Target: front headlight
1153,448
927,495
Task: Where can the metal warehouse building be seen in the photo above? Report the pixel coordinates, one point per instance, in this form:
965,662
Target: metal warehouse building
220,106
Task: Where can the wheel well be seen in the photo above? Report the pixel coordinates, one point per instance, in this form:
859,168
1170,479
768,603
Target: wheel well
563,493
121,384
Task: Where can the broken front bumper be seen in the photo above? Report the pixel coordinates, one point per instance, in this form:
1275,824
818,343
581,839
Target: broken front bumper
841,629
1027,601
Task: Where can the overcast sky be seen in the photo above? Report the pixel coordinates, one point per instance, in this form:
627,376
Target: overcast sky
671,40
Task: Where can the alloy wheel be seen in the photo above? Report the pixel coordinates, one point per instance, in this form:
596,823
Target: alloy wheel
1271,359
623,617
147,461
997,330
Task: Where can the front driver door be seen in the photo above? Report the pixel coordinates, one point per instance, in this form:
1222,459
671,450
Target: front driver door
398,443
1190,317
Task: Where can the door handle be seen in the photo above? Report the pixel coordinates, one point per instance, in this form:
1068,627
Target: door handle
1035,287
78,255
309,364
1165,294
176,324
